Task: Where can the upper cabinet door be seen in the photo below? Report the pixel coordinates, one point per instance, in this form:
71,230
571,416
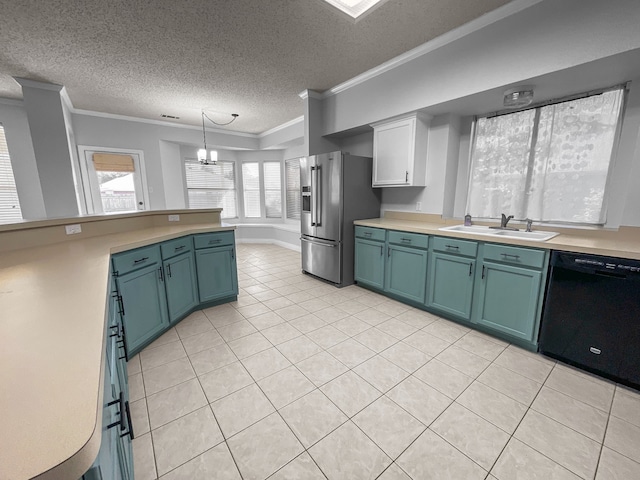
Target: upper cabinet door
400,152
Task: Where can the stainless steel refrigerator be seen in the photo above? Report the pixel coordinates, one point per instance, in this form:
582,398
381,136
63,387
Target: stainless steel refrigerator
336,190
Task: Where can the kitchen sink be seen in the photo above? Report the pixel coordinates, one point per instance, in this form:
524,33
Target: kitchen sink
537,236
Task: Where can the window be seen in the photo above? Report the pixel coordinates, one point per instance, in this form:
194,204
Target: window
9,205
212,186
251,188
292,174
549,163
272,190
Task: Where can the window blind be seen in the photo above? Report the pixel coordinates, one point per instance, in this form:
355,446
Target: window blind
9,204
272,190
212,186
292,188
251,189
110,162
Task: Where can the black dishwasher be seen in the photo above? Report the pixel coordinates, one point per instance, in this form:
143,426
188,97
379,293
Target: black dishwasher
591,317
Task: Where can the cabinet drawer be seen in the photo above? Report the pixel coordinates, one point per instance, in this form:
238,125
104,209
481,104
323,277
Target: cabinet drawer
176,247
217,239
135,259
409,239
514,255
370,233
452,245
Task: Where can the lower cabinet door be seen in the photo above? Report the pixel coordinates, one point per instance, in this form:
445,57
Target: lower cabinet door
406,272
181,285
508,300
216,272
450,285
369,263
145,306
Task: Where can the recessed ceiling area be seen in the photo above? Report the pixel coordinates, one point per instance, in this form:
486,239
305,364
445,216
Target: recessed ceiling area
253,58
354,8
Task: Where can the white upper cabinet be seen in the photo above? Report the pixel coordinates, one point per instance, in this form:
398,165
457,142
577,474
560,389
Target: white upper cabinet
400,151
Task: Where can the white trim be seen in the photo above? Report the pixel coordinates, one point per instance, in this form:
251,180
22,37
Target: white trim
14,102
290,123
270,241
65,99
25,82
310,94
479,23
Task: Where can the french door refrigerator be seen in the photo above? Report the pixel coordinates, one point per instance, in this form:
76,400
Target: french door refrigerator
336,190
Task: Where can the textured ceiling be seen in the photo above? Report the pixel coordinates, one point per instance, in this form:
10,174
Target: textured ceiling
143,58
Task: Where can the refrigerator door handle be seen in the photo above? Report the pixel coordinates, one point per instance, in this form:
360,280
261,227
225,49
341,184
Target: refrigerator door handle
322,244
318,196
313,198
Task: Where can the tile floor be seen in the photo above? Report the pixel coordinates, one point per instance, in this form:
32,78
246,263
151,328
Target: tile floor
300,380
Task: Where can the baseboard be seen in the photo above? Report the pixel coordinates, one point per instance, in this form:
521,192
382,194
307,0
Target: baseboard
269,241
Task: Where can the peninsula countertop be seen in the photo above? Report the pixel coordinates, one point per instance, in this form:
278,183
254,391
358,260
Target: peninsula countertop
53,301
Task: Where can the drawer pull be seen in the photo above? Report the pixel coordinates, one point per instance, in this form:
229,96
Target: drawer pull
380,250
169,270
140,260
121,406
367,234
405,240
177,249
470,268
161,274
130,424
595,350
455,247
508,255
483,272
212,242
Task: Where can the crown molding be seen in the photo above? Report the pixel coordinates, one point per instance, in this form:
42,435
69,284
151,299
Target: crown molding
310,94
479,23
26,82
288,124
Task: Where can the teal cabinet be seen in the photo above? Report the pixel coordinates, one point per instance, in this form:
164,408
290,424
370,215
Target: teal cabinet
369,263
180,285
216,272
406,272
450,285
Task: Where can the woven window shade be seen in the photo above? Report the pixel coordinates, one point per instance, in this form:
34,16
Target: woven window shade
109,162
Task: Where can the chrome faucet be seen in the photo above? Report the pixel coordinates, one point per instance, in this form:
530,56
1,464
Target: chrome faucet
505,220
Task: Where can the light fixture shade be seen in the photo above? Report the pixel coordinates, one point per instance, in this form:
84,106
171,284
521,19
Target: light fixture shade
518,97
202,155
214,156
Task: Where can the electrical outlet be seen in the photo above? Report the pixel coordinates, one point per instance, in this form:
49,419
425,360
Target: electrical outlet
418,206
73,229
174,218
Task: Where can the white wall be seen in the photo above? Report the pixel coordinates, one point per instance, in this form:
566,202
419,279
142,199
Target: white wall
173,175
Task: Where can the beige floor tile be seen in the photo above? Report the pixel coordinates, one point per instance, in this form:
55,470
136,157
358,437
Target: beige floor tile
463,361
348,453
426,343
446,330
579,416
480,346
391,307
144,465
405,356
154,357
331,314
510,383
614,466
419,399
185,438
140,417
175,402
236,330
587,389
266,295
327,336
202,341
299,348
243,408
381,373
416,318
244,301
477,438
389,426
194,324
208,360
280,333
351,306
394,472
312,417
278,302
284,288
252,290
626,405
351,326
376,339
291,312
561,444
307,323
624,438
301,468
220,317
225,380
136,387
251,311
490,338
396,328
265,363
351,353
266,320
314,305
246,346
499,409
285,386
443,378
321,368
431,458
525,365
350,393
299,297
372,316
169,336
168,375
133,366
264,448
216,463
521,462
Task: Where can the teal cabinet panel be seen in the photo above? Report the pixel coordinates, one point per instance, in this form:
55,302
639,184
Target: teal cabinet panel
450,285
144,305
370,233
508,300
406,272
216,273
180,285
369,262
406,239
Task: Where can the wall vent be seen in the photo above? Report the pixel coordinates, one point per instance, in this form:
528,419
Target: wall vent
172,117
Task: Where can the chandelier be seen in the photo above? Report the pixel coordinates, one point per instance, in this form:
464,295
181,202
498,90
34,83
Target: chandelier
211,157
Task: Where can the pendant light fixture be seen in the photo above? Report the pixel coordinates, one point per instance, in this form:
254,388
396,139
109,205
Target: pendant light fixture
211,157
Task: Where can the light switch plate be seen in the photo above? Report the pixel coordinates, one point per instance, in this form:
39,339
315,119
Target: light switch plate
174,218
418,206
73,229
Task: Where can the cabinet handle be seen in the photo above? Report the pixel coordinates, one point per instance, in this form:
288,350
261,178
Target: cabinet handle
406,176
233,254
388,252
123,344
470,268
455,247
211,242
161,274
121,305
405,240
367,234
135,262
127,410
508,255
169,270
380,250
120,402
483,272
117,332
179,248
